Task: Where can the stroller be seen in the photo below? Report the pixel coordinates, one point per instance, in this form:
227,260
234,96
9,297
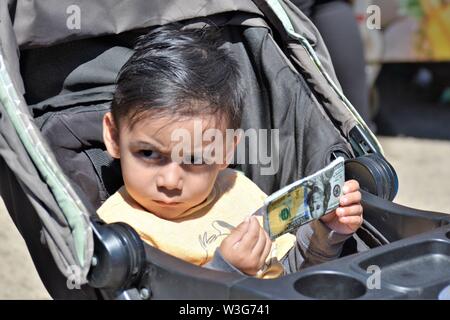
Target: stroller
58,64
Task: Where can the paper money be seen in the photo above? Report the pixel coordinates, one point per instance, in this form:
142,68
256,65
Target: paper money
303,201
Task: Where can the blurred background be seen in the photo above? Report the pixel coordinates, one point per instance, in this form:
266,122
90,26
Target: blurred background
392,58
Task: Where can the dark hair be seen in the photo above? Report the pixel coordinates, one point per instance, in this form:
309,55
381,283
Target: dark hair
179,72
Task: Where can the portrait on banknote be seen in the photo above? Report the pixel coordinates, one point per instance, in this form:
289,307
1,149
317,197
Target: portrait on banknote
303,201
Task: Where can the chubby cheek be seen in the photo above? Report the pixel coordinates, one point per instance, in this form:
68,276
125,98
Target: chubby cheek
197,186
137,178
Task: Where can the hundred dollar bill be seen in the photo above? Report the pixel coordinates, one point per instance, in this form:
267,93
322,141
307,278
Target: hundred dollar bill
303,201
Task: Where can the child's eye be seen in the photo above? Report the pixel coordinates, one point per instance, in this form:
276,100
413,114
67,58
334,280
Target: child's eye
149,154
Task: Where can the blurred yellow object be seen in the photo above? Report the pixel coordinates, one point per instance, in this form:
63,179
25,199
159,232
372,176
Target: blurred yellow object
436,26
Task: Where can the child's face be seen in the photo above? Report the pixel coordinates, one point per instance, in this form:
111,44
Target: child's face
152,178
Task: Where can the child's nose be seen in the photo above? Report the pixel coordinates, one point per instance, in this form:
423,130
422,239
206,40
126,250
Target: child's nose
170,177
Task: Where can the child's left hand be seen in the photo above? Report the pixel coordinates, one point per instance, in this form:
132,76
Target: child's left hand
348,217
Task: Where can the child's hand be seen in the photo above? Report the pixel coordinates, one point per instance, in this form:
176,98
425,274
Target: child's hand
348,217
247,247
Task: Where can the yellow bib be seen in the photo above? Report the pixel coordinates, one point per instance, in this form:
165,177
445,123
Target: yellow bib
196,236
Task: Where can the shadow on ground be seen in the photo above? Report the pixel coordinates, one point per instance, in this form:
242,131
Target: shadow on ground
414,100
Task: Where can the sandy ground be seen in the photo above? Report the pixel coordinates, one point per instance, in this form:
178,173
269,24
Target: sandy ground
18,277
422,166
423,170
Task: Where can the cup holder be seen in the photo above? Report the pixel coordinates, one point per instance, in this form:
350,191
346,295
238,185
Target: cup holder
330,286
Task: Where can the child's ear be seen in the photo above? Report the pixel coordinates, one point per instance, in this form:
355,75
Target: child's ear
231,148
111,135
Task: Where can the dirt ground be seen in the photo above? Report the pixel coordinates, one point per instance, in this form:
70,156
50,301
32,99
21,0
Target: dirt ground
422,166
18,278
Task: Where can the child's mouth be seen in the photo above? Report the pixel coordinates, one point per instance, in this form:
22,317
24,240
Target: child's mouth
166,204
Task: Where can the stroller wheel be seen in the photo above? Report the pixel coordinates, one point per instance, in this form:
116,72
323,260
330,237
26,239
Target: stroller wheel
374,174
120,257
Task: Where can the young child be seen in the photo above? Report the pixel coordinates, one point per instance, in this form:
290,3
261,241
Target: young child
178,199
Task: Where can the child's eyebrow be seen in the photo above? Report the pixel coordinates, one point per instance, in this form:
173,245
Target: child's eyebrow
146,145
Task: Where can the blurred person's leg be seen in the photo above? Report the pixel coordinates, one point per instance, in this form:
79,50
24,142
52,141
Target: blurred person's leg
337,24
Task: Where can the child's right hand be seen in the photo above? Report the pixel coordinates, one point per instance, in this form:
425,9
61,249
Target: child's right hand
247,247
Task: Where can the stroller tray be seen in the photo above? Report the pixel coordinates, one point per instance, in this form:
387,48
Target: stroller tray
330,285
415,265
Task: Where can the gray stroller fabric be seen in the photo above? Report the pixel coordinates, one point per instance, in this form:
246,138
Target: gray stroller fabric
43,25
72,124
29,186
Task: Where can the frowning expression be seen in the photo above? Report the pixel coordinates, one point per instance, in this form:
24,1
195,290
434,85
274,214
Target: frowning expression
157,182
